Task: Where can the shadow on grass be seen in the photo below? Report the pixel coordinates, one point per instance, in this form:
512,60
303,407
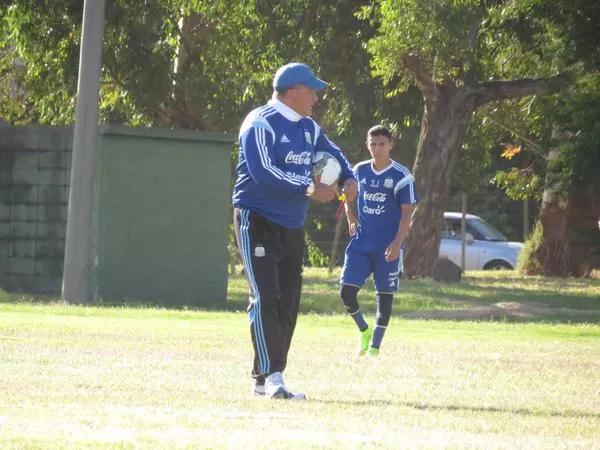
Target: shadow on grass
488,295
477,409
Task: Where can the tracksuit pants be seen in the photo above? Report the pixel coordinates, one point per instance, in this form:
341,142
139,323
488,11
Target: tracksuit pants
273,260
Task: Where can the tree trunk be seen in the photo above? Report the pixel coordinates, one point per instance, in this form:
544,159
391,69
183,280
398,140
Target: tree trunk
584,234
570,228
570,243
183,113
443,131
336,241
448,111
553,252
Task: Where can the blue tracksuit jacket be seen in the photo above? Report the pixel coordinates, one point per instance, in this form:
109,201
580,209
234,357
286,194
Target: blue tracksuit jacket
277,150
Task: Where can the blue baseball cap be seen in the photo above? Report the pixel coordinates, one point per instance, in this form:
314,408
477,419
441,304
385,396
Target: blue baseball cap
293,74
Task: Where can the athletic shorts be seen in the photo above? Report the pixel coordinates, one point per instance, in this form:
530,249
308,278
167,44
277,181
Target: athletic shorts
360,262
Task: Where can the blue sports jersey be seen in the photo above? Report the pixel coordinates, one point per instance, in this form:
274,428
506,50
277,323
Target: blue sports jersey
380,196
277,150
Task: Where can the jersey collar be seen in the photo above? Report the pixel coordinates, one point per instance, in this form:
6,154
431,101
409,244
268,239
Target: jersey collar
385,169
285,110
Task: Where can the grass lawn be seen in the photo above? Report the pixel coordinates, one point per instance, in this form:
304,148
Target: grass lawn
481,295
526,375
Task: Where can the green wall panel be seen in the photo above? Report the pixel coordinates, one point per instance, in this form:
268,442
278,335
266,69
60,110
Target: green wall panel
162,213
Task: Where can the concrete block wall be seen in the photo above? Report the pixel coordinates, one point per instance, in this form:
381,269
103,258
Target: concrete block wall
161,213
34,186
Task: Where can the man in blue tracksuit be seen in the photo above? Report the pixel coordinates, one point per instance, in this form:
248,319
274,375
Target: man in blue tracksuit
277,145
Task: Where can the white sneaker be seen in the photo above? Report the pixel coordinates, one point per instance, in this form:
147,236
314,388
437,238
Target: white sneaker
275,388
258,390
298,396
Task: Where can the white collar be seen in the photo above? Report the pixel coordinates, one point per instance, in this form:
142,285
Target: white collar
385,169
285,110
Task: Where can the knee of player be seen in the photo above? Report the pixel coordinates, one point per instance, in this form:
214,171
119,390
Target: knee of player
384,309
349,296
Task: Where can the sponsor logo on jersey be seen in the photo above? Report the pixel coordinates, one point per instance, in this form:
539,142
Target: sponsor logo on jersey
298,176
380,209
378,197
301,158
388,183
363,181
284,139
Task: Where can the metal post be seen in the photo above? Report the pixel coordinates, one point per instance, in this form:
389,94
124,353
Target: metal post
336,241
525,218
463,233
77,262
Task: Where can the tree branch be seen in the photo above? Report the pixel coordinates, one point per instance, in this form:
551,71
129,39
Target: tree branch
491,91
475,27
532,144
468,74
422,76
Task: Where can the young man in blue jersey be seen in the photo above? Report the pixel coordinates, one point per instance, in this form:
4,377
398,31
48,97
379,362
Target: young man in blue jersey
277,146
378,224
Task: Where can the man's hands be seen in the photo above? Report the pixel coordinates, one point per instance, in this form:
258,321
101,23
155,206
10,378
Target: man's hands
350,189
351,216
352,224
392,252
323,192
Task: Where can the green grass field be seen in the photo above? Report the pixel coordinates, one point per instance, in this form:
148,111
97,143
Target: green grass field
517,367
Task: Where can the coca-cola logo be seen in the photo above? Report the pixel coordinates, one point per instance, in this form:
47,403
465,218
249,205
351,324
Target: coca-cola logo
375,197
304,158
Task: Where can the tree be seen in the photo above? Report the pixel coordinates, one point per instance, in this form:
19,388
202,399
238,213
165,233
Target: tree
188,63
559,134
569,237
200,65
462,55
570,214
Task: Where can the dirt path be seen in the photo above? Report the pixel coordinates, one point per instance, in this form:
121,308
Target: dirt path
508,310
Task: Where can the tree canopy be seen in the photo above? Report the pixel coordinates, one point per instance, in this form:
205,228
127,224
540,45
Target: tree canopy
486,71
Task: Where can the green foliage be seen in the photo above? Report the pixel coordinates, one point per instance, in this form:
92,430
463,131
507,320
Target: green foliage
210,71
473,163
437,30
14,103
574,116
578,26
464,42
528,263
193,64
577,169
44,36
519,184
314,256
561,34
